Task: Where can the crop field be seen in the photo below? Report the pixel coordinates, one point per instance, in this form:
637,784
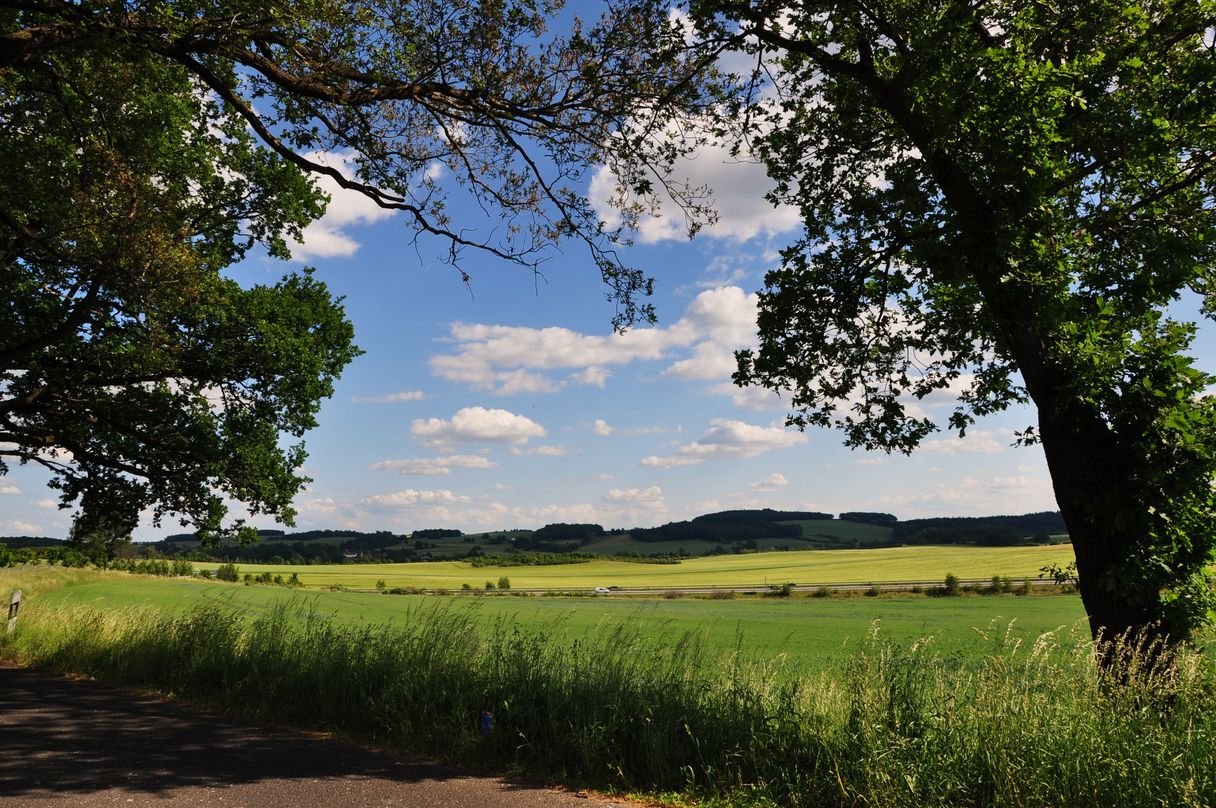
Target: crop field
809,633
752,569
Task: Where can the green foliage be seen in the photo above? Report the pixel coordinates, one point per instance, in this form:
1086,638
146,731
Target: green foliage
869,517
228,572
530,559
1065,575
1004,199
951,587
5,555
504,582
147,148
122,343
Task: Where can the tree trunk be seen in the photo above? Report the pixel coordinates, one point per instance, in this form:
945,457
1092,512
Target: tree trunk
1095,487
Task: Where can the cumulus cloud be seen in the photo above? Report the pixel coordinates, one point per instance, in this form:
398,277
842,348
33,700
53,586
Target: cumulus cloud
18,526
728,438
328,237
434,466
773,482
47,504
738,186
757,399
325,506
651,496
410,498
976,442
9,489
604,429
390,398
592,377
997,494
507,360
473,424
543,450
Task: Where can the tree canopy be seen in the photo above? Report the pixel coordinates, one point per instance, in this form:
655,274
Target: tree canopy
147,146
1004,200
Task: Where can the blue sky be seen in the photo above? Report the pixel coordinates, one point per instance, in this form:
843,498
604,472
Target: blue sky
510,403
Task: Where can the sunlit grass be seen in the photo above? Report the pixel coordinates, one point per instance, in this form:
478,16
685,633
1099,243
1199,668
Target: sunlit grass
750,569
1030,724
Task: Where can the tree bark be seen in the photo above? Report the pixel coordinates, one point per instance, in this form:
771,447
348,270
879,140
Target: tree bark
1094,481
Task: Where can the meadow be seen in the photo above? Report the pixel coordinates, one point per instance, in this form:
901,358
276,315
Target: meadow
809,633
616,695
806,567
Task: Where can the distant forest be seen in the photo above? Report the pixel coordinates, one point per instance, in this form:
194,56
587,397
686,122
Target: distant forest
726,531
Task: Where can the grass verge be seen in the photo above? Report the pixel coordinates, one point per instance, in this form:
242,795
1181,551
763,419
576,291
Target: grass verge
893,726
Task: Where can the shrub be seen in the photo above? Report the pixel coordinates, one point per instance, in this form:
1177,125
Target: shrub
951,586
228,572
504,582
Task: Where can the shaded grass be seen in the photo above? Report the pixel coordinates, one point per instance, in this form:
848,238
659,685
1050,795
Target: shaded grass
1029,725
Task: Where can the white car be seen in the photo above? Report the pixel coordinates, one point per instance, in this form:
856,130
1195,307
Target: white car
601,590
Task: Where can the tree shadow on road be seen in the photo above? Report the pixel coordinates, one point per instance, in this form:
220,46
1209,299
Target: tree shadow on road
59,736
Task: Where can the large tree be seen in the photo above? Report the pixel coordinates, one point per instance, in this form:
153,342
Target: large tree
1006,199
148,145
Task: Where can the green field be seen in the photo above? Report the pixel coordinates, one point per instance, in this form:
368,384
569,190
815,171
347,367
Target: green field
810,633
751,569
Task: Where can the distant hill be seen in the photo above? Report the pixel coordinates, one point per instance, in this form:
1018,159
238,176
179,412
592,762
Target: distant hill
19,542
731,531
990,531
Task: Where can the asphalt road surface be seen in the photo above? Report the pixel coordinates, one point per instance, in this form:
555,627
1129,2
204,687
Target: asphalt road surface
78,743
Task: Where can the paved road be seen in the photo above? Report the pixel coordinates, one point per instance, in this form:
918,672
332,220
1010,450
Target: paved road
78,743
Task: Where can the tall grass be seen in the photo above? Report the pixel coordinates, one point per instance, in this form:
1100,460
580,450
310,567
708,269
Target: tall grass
892,727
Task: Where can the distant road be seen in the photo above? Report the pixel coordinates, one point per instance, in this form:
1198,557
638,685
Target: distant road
77,743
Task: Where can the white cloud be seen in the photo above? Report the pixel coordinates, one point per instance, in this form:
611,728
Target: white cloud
604,429
410,498
327,237
728,438
544,450
390,398
773,482
317,507
738,187
708,361
9,489
994,495
976,442
478,424
514,359
18,526
593,377
872,460
434,466
651,496
756,399
47,504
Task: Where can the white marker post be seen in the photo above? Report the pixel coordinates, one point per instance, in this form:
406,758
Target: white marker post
13,605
